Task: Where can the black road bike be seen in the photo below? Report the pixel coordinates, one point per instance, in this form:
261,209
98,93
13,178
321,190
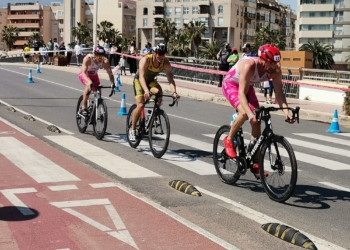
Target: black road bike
155,123
97,113
277,157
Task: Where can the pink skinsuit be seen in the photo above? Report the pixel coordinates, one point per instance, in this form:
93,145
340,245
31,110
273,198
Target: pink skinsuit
230,85
92,73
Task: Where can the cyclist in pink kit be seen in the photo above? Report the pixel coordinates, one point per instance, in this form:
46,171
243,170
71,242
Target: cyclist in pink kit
238,89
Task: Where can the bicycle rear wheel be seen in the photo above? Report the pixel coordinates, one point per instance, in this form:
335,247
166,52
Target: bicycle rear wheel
100,119
82,122
226,168
139,127
159,133
278,160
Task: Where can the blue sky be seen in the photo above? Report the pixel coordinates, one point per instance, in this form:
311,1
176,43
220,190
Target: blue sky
292,3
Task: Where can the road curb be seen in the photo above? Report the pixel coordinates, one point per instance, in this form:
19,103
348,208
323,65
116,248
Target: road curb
204,96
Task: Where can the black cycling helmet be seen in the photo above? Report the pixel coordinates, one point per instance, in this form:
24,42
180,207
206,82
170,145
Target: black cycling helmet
160,48
99,50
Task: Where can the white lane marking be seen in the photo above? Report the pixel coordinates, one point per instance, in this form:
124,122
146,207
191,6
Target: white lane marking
191,120
263,218
62,187
34,164
177,159
103,158
200,145
37,118
325,138
103,185
336,186
15,127
180,219
343,134
121,234
310,159
10,195
63,249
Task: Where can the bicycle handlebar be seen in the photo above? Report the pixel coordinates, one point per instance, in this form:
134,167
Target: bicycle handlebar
160,95
102,87
295,111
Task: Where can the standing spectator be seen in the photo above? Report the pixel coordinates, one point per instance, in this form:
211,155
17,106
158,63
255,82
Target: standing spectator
247,50
50,53
233,58
69,54
56,50
36,57
268,85
107,47
133,63
222,56
147,50
122,65
62,48
112,56
119,50
44,54
26,51
77,52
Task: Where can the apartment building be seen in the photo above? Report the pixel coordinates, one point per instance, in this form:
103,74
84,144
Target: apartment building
327,21
122,13
233,21
3,22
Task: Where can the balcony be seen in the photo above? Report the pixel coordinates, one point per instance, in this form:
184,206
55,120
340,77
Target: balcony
249,26
318,7
277,21
156,24
159,3
26,33
247,38
26,25
27,16
204,10
204,3
260,17
341,34
20,42
249,15
315,33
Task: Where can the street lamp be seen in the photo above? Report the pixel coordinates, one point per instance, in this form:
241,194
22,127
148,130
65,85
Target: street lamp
94,37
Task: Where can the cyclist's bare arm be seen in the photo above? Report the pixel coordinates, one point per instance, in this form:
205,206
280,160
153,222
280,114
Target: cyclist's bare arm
143,65
84,68
169,74
246,69
107,67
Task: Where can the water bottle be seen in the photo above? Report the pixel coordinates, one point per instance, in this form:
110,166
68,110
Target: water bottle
233,118
148,115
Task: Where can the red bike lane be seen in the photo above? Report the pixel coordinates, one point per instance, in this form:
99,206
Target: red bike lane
52,201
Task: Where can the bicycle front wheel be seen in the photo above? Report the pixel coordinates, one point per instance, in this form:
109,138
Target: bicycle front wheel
100,119
226,168
159,133
82,122
138,129
278,160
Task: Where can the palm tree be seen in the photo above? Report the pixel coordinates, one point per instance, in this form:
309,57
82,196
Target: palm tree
179,44
195,30
104,30
210,50
81,32
274,37
322,58
35,37
116,36
10,35
166,29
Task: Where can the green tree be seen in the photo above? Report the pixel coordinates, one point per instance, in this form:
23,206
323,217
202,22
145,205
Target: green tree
82,33
210,50
116,36
10,35
179,44
35,37
166,29
195,30
105,31
264,35
322,58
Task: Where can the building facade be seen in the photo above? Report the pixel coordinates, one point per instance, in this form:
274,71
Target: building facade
327,21
233,21
3,22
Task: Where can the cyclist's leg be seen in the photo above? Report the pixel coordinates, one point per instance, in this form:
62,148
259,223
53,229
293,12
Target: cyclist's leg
155,88
139,92
86,91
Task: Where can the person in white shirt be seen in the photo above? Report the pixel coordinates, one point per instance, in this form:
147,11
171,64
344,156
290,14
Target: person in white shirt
122,65
77,52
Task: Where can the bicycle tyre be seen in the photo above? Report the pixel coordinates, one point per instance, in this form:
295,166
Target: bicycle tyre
81,122
266,148
139,128
219,156
103,116
151,133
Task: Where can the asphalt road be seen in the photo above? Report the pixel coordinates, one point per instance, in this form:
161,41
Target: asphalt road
319,206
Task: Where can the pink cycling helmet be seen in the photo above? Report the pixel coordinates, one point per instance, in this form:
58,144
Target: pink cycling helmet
270,53
99,50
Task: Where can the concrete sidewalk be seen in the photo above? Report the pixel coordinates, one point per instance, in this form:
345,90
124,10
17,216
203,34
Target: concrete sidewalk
309,110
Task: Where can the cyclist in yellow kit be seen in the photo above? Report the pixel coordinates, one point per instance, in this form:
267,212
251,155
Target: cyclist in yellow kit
144,82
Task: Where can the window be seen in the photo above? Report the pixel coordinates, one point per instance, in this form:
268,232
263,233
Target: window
145,22
186,11
168,11
237,23
237,11
61,21
89,21
186,20
220,9
220,21
286,59
145,11
177,21
195,10
177,11
59,13
224,34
